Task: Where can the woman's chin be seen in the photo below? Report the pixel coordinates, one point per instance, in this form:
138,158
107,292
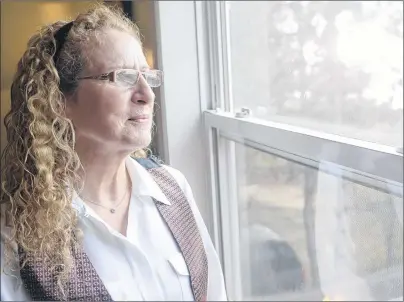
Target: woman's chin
138,141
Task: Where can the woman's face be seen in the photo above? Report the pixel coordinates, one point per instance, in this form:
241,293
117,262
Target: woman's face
104,114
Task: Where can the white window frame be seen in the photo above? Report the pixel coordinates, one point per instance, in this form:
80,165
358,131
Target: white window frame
192,39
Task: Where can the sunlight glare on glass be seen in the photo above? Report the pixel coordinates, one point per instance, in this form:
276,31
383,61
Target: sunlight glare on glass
369,46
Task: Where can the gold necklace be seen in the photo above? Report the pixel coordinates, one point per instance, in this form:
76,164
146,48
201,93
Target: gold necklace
112,210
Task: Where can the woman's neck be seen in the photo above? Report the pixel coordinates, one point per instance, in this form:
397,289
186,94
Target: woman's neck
106,180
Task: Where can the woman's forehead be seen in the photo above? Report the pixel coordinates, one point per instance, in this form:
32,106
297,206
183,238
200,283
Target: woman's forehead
114,49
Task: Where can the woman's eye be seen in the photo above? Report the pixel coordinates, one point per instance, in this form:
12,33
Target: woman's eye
129,78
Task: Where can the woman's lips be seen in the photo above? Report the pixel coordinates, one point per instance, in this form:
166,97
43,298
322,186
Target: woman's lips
140,119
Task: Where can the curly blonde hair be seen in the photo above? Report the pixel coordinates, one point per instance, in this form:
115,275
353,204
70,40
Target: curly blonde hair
40,165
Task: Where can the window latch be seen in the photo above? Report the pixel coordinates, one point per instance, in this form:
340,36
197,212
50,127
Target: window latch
243,112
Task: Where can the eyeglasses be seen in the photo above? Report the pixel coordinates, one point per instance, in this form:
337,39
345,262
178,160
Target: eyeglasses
130,77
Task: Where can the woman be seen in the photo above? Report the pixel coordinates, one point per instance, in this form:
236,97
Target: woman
82,219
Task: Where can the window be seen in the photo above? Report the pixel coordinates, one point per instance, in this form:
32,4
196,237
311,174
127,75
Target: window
310,233
308,190
330,65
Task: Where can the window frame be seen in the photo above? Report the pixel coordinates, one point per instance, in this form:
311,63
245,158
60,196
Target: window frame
311,148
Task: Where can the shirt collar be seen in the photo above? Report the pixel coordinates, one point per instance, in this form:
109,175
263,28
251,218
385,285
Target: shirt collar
143,183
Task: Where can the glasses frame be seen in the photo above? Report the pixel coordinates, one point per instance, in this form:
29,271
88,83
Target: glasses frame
111,76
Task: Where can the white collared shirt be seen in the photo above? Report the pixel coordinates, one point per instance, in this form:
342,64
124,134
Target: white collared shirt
146,264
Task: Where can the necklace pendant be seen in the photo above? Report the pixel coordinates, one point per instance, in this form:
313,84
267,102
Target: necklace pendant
112,211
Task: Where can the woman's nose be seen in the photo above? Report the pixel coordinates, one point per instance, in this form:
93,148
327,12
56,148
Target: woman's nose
143,92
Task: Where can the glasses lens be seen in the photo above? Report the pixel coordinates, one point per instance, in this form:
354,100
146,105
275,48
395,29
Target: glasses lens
127,77
154,78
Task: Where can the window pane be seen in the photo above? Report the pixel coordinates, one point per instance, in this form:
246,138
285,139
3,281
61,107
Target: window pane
307,235
325,65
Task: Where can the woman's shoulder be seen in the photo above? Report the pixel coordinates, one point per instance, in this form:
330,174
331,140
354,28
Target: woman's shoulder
154,161
178,176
